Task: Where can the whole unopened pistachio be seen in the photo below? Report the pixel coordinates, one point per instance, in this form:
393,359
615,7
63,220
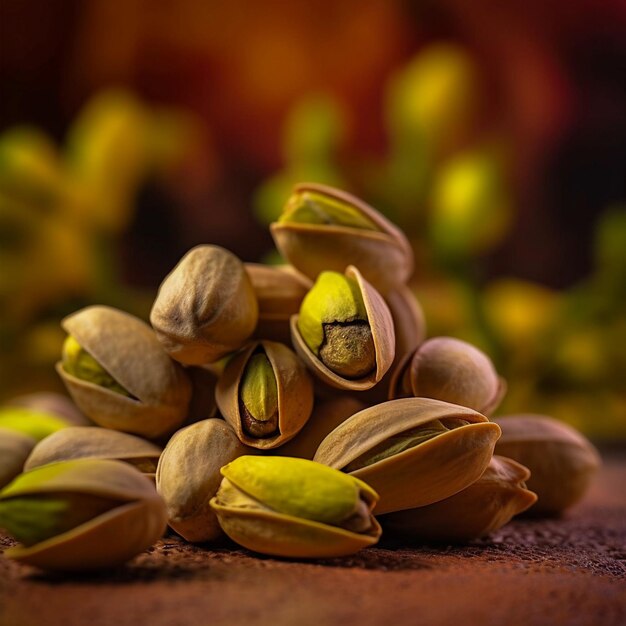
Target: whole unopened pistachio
294,507
119,375
81,515
483,507
344,331
561,460
54,403
31,422
323,228
206,307
265,394
412,451
14,450
188,476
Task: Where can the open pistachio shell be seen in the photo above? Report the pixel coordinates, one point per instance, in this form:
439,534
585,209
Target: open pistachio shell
31,422
14,450
383,336
206,307
188,476
381,251
158,388
54,403
295,508
484,506
87,442
561,460
134,520
445,461
294,391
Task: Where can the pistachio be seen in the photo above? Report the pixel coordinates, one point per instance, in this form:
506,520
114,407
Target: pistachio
561,460
265,394
326,229
81,515
14,450
30,422
206,307
344,331
54,403
294,507
478,510
119,375
188,476
412,451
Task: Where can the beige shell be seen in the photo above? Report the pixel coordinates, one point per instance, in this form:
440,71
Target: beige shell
86,442
127,348
279,291
109,539
385,257
383,334
54,403
294,386
206,307
483,507
561,460
188,476
431,471
14,450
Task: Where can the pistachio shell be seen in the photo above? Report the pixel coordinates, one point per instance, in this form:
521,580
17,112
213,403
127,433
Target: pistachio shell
206,307
480,509
188,476
561,460
14,450
30,422
108,539
383,255
294,387
54,403
383,335
431,471
127,348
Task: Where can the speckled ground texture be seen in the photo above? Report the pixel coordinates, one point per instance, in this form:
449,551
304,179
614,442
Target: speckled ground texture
570,571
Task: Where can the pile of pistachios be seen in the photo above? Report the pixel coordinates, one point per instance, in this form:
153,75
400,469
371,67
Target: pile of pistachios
299,409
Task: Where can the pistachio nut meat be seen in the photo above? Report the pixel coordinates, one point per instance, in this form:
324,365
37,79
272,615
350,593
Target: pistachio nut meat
81,515
322,228
206,307
265,394
412,451
119,375
480,509
561,460
14,450
344,331
31,422
295,508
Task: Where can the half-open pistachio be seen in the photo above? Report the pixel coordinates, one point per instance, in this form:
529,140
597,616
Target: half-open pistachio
14,450
31,422
54,403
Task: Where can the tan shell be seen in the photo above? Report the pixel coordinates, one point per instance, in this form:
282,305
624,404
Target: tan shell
385,257
127,348
480,509
431,471
14,450
381,325
109,539
561,460
86,442
188,476
294,386
206,307
279,291
54,403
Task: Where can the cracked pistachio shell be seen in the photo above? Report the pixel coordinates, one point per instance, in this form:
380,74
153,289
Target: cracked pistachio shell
54,403
293,394
206,307
89,442
561,460
383,336
14,450
279,291
128,350
295,508
432,470
31,422
132,519
188,476
483,507
342,230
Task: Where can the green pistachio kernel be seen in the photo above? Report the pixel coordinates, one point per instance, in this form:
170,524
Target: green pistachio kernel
35,424
259,397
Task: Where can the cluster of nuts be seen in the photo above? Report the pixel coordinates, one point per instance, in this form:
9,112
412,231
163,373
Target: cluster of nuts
300,409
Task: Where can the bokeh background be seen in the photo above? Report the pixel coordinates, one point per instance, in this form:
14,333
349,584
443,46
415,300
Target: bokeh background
493,133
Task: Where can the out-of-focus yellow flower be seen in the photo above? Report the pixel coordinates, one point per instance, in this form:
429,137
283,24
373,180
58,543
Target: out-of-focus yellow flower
581,356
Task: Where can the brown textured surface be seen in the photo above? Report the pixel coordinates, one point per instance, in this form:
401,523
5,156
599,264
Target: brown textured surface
559,571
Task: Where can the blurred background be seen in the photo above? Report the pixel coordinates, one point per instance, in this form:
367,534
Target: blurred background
494,134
